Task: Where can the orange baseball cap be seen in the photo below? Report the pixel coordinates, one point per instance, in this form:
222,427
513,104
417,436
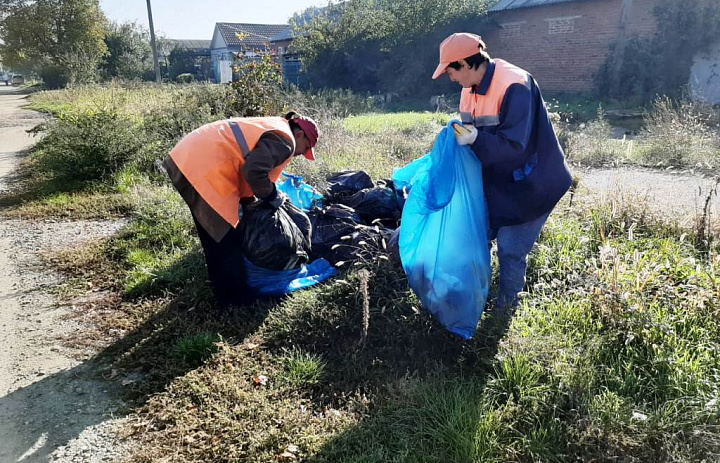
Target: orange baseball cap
458,46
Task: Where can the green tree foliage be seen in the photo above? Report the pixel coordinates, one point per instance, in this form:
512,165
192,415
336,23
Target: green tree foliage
181,62
129,52
382,45
61,39
639,69
7,7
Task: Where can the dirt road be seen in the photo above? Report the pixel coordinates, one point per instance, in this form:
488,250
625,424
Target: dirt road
677,195
52,407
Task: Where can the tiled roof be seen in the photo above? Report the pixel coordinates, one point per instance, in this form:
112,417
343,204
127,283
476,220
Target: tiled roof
190,44
515,4
253,35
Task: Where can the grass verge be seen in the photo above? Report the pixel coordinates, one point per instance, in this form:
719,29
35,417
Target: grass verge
611,356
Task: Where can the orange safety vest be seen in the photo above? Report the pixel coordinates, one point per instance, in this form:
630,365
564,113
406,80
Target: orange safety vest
211,158
484,110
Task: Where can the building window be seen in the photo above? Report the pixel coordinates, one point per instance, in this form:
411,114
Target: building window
564,25
509,30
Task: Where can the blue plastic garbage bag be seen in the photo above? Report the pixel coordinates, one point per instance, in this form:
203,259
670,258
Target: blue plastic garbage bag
404,178
443,237
300,193
275,283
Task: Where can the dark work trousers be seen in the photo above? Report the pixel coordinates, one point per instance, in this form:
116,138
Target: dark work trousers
226,267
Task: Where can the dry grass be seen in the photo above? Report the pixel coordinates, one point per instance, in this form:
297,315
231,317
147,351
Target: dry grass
611,357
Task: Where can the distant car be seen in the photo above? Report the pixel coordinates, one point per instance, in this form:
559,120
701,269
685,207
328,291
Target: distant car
18,79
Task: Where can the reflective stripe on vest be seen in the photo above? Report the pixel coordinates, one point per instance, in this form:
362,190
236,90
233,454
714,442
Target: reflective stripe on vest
484,110
240,138
211,158
480,121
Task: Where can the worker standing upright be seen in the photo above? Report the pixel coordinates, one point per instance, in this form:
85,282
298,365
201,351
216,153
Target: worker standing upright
508,127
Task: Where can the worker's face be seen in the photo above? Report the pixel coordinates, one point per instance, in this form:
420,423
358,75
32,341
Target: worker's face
463,76
301,142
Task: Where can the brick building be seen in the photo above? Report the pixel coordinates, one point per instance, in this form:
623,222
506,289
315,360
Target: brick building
563,43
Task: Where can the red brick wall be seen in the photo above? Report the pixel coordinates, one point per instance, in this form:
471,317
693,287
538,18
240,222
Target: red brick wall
566,62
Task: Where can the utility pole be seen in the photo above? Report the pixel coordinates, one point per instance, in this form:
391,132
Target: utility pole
158,78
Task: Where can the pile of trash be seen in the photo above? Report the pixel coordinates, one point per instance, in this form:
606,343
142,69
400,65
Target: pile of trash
442,244
312,233
358,219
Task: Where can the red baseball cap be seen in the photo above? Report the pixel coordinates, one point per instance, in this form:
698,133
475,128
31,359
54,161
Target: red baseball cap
311,133
456,47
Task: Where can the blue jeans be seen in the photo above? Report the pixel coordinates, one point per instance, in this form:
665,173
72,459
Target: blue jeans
514,245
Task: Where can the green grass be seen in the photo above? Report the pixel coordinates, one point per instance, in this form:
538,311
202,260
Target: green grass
76,205
406,123
611,357
302,368
126,99
196,348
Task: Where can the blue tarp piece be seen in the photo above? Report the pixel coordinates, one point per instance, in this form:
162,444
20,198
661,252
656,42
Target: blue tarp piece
443,236
300,193
275,283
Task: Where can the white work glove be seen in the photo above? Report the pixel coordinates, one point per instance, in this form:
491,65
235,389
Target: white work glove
465,134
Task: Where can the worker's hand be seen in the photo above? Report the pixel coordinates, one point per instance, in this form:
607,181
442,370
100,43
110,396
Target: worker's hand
465,134
276,200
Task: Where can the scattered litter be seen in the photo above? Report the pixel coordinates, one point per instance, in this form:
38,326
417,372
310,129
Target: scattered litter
260,380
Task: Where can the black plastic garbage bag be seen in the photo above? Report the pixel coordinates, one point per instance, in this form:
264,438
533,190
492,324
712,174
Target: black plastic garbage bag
394,245
301,220
329,226
348,182
387,183
272,238
363,244
379,203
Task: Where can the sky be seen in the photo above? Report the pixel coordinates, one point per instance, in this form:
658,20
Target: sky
195,19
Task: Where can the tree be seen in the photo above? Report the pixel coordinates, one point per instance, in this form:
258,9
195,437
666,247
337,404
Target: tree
381,45
638,69
129,53
181,62
60,39
7,7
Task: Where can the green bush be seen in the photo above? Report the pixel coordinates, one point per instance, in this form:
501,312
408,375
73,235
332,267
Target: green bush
166,126
638,69
382,45
87,147
54,76
328,103
257,87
